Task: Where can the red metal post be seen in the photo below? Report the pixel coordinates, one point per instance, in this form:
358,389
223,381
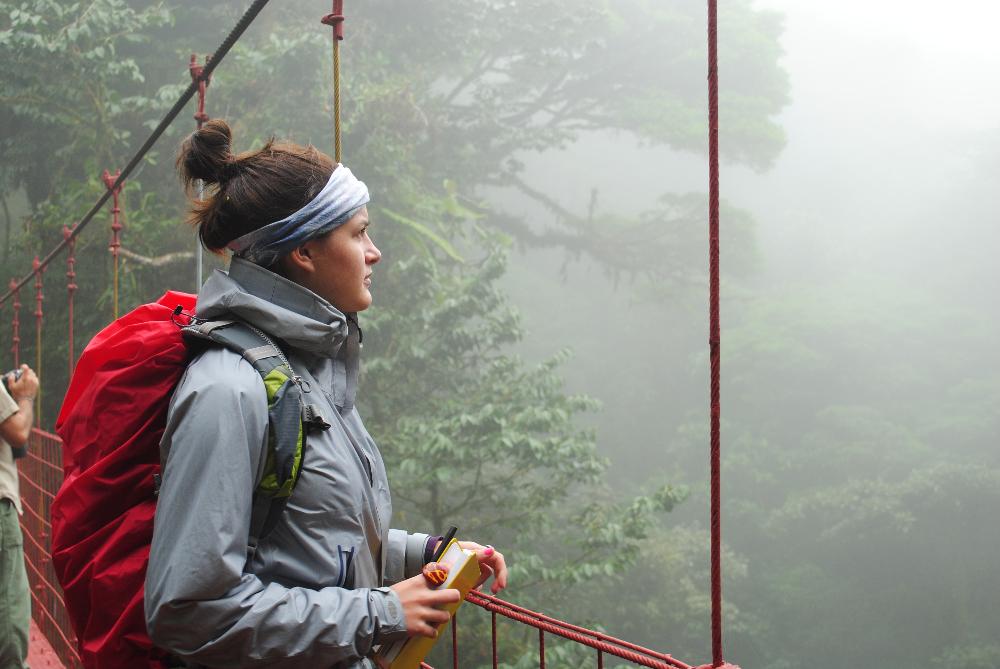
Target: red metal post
493,619
15,340
541,648
196,70
336,19
714,339
70,289
454,641
37,267
116,228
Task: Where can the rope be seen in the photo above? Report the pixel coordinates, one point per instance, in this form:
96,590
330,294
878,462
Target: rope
44,524
715,339
49,436
199,256
70,290
15,324
185,97
38,487
38,341
335,20
602,642
337,144
200,117
114,298
53,468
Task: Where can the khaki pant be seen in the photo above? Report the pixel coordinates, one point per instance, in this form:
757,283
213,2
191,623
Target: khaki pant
15,599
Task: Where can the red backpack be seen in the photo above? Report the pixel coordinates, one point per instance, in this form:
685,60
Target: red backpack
111,422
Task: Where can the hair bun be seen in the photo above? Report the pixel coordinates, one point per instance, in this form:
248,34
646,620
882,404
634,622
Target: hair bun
207,154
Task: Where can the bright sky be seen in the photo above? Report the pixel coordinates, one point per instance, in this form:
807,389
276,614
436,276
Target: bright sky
893,106
934,62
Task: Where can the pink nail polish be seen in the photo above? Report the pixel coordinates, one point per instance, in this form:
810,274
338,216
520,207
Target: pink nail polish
488,551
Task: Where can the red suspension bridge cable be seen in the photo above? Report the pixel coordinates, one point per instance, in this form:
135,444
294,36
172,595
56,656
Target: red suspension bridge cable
715,337
70,290
39,314
185,97
597,640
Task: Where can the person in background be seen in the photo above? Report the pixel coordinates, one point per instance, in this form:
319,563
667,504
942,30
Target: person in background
17,396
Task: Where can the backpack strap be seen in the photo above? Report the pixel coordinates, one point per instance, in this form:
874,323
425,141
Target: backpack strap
264,516
289,417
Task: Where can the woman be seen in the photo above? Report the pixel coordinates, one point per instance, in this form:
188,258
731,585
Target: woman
331,580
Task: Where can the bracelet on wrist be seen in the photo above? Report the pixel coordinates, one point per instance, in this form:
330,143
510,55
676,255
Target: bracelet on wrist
30,398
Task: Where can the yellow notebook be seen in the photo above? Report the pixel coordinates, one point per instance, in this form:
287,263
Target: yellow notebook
463,573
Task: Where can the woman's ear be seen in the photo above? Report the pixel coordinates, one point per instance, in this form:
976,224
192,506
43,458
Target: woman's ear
300,260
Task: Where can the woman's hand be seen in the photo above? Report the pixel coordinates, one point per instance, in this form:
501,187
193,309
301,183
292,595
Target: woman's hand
491,563
420,604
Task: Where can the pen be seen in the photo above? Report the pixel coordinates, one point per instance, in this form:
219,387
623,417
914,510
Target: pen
449,535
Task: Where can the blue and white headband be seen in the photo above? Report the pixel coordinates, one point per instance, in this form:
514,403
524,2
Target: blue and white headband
340,198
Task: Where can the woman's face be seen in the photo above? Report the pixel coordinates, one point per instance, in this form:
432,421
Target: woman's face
342,265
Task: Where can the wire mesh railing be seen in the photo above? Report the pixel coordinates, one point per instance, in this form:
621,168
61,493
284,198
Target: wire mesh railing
41,474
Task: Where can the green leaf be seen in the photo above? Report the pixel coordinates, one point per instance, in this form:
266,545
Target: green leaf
426,232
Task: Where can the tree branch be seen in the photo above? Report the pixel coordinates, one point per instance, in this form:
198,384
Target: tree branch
485,62
541,103
157,261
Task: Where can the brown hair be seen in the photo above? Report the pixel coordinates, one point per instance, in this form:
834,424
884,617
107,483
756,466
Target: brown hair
247,191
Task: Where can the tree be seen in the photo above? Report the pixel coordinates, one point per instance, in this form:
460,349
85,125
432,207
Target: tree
66,89
444,103
859,480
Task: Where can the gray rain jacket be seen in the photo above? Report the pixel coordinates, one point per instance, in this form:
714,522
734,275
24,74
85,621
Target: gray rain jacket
313,593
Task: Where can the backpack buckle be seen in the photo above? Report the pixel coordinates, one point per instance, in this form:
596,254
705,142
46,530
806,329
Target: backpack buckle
313,418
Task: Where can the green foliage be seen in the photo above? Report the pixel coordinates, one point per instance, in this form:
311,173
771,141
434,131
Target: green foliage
861,505
444,102
971,655
67,88
449,405
676,568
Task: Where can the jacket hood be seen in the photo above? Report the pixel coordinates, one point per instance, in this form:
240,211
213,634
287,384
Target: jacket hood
279,307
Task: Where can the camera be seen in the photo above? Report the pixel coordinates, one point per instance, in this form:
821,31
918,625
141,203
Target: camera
17,375
16,451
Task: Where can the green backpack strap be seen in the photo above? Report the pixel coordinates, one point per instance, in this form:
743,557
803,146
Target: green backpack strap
289,416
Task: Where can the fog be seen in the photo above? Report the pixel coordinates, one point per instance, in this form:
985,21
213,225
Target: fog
893,120
861,156
875,280
887,182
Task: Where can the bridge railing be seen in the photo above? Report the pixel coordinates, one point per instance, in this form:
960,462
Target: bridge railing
41,474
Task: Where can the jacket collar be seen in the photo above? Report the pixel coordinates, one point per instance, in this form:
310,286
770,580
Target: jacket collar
279,307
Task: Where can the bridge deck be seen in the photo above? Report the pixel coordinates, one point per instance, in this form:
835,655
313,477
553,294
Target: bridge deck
40,653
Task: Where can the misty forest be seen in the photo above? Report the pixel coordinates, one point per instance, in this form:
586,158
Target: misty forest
536,361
